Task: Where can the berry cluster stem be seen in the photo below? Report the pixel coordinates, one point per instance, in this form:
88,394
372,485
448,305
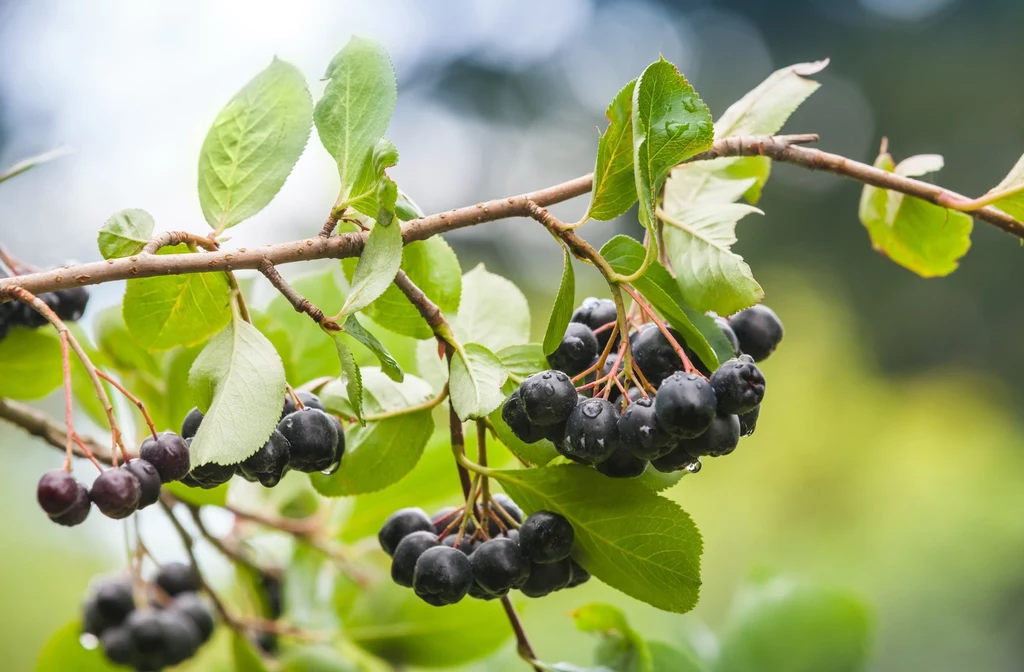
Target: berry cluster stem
646,308
132,398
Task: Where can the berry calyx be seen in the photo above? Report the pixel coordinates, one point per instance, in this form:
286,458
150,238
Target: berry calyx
176,578
407,553
116,493
547,578
591,435
499,565
546,537
739,386
400,524
640,433
597,313
548,398
514,415
57,492
442,576
149,481
313,438
168,452
759,331
577,351
685,405
270,463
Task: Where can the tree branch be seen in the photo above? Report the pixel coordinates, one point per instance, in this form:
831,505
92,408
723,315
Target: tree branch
298,301
37,423
780,148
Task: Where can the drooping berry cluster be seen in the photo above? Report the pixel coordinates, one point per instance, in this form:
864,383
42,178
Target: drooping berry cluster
666,408
162,624
307,439
118,492
488,561
68,304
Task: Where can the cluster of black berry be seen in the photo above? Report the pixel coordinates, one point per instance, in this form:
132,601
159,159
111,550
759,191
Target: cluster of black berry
429,556
117,493
69,304
667,417
307,439
169,629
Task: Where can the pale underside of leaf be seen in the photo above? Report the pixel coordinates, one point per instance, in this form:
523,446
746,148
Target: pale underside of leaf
475,381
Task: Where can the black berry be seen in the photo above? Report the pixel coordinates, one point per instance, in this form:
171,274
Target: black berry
759,331
653,354
547,578
107,606
622,464
597,313
176,578
556,433
182,636
639,432
748,421
514,415
499,565
577,351
118,647
78,512
149,481
400,524
723,324
313,439
308,399
192,606
57,492
269,464
548,398
467,545
30,318
738,385
678,458
510,507
190,425
168,452
116,493
591,435
721,438
685,405
408,552
210,475
546,537
442,576
71,303
579,575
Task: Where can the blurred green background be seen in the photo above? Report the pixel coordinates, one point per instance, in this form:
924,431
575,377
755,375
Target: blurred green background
889,455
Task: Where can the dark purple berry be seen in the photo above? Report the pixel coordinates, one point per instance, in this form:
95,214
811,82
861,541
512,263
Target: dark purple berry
192,606
597,313
407,553
57,492
577,351
721,438
308,399
442,576
579,575
116,493
546,537
71,303
210,475
118,646
468,545
738,385
548,398
591,435
499,565
168,452
78,512
269,464
149,481
640,433
400,524
176,578
759,331
190,425
313,438
622,464
547,578
181,634
685,405
748,421
653,353
515,417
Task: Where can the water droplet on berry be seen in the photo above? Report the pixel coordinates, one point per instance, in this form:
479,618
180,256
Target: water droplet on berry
549,389
694,467
592,409
88,641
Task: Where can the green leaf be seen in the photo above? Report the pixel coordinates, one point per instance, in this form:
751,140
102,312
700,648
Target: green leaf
614,183
569,667
711,276
247,658
391,622
475,381
315,658
354,112
667,658
125,233
238,382
433,267
625,255
670,124
121,350
561,312
622,648
353,377
658,481
762,111
536,454
63,653
924,238
166,311
198,496
376,268
388,364
253,145
1013,202
626,535
493,313
523,360
797,627
406,208
30,363
383,451
380,193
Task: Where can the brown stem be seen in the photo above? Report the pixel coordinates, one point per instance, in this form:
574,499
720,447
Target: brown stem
172,238
300,303
39,424
523,645
132,398
231,552
458,440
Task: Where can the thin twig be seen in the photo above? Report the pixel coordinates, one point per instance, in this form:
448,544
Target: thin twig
300,303
37,423
523,645
132,398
